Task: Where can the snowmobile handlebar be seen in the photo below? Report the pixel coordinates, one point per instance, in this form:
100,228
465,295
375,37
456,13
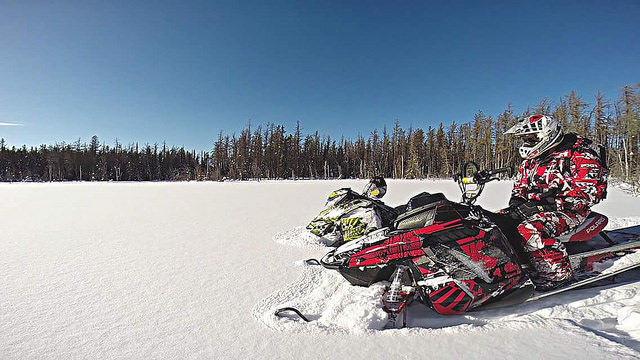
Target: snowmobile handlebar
485,176
477,179
481,177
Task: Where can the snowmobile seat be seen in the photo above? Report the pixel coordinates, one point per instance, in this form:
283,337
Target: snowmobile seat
592,226
420,200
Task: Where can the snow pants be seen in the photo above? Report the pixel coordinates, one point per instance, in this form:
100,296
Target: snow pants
548,255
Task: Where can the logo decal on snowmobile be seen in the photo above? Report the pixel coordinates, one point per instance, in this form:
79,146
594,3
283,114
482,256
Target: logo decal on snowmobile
596,225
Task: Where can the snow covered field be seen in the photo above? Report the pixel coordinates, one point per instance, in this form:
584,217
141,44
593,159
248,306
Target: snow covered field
191,270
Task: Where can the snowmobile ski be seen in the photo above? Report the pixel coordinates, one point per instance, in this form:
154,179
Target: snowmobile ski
291,309
312,262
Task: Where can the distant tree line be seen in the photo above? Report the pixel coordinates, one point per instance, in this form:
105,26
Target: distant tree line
273,153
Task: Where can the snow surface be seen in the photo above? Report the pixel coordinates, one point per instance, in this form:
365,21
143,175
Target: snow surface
191,270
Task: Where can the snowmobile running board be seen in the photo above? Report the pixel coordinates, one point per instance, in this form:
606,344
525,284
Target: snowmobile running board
609,249
581,283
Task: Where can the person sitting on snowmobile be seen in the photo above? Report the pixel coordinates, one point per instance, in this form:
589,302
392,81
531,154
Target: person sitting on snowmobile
559,180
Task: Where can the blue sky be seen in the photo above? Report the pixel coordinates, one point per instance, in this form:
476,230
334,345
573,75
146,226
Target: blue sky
182,71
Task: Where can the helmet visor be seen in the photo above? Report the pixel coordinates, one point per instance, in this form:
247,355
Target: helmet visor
529,140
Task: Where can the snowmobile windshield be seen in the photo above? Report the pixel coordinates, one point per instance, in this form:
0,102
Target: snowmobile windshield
449,211
438,212
374,191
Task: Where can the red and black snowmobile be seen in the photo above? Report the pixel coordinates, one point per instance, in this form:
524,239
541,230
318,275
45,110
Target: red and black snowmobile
455,257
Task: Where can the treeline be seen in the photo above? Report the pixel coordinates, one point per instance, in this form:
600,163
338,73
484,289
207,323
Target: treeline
100,162
396,152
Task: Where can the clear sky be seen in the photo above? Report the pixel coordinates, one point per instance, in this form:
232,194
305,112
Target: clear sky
182,71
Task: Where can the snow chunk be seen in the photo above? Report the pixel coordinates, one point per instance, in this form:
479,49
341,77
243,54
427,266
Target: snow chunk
301,237
629,319
622,222
327,300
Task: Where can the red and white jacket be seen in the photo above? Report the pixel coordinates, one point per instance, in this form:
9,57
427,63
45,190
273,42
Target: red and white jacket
572,175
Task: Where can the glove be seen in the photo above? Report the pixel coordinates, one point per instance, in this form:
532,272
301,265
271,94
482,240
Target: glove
527,209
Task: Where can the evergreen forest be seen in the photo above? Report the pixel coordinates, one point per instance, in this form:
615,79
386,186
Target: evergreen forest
273,152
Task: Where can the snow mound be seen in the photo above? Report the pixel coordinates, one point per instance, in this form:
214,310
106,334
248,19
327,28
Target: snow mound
301,237
622,222
629,318
327,300
629,189
611,265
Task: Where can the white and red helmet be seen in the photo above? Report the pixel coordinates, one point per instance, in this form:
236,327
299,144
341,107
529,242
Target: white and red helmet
539,133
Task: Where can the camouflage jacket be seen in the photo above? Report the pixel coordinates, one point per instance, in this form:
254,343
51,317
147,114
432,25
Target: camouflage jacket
572,175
